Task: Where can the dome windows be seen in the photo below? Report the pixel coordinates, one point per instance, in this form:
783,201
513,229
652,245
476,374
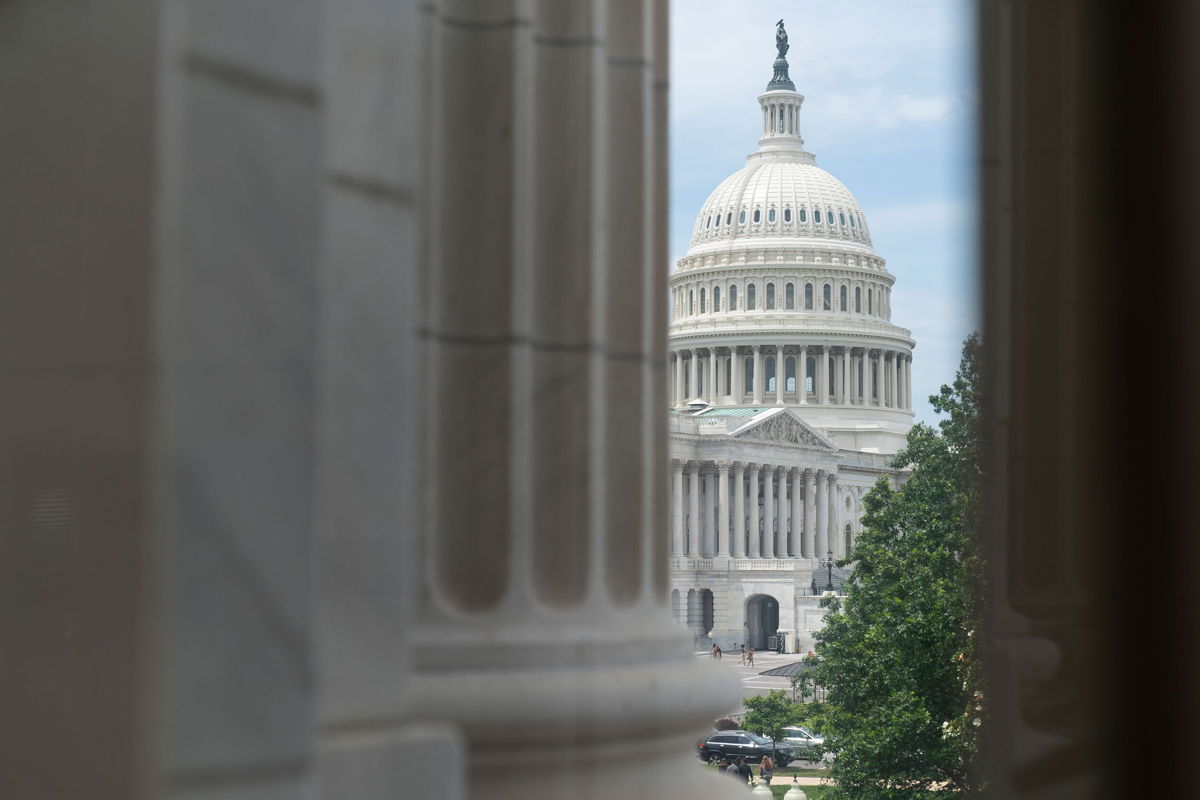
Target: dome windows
717,298
771,215
787,215
708,222
789,297
817,215
857,299
742,217
842,299
842,217
701,301
750,298
733,294
770,306
826,298
691,301
803,215
757,216
729,218
852,225
808,297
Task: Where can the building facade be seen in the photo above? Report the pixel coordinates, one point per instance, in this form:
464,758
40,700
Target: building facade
790,385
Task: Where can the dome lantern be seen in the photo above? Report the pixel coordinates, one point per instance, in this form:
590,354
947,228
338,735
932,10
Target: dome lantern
781,108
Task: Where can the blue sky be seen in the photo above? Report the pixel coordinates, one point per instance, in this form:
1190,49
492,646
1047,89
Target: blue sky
889,109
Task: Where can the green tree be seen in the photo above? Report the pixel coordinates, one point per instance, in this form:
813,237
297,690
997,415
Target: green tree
767,715
905,702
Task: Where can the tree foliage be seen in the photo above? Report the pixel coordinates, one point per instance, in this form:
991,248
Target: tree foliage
769,714
905,700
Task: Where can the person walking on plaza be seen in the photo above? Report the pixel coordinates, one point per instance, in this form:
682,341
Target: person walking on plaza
713,653
765,768
743,770
750,657
729,767
742,657
718,652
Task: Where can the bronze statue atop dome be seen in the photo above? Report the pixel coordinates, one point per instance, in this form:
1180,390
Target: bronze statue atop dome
781,39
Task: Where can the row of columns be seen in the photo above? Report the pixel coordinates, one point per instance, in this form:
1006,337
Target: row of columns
861,375
702,525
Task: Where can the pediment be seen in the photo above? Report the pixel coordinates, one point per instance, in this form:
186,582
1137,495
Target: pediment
783,426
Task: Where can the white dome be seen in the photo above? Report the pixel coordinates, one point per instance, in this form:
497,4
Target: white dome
805,201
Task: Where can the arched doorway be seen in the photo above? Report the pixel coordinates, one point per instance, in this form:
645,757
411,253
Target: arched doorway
762,620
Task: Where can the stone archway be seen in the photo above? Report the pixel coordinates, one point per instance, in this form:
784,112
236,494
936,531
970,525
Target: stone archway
762,620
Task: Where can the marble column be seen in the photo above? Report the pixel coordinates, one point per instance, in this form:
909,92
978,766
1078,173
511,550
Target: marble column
711,390
693,521
694,370
768,512
737,378
807,543
676,507
752,497
802,375
758,375
780,372
895,380
821,545
823,376
722,508
722,379
796,474
877,379
781,534
847,385
738,548
833,514
708,546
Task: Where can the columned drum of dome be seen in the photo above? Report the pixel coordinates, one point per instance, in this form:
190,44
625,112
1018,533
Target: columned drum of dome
789,380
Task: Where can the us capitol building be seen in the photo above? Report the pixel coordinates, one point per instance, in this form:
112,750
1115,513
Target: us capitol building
791,389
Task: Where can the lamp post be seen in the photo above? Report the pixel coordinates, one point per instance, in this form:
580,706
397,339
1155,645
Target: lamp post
828,562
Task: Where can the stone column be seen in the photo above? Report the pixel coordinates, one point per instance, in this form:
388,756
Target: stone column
758,375
823,373
768,534
781,534
895,380
708,543
722,508
694,369
711,390
832,533
847,385
722,374
676,507
738,548
907,383
877,378
793,548
780,373
808,544
752,497
822,543
693,526
802,375
737,380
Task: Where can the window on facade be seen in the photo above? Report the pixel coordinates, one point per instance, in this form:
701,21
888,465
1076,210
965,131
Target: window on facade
849,540
817,215
701,301
741,216
808,297
769,372
716,298
718,220
803,215
790,372
787,215
757,215
770,297
691,301
732,297
789,296
841,299
857,299
748,371
708,222
852,225
826,298
842,217
870,304
809,370
751,291
728,217
771,215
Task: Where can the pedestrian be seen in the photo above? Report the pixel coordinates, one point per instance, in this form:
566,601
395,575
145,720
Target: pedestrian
742,657
718,652
743,770
729,767
765,768
713,653
750,657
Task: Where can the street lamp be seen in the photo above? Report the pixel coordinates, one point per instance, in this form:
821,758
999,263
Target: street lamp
828,562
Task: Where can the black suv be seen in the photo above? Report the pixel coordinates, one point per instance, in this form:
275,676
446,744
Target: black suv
742,744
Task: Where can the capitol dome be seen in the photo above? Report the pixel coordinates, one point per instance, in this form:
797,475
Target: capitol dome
781,195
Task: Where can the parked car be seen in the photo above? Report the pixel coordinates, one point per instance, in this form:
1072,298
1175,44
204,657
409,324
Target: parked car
804,742
743,744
